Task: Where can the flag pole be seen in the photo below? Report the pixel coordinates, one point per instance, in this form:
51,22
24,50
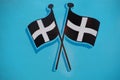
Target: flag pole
70,5
62,46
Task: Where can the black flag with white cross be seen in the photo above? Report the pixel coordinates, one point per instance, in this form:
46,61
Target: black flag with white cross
43,30
46,29
81,28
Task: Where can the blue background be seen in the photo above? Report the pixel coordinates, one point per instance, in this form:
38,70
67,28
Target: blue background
19,61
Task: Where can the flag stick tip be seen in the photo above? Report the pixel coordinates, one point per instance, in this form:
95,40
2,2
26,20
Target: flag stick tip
50,6
70,5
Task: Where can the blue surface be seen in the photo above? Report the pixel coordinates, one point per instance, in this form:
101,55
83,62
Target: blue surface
19,61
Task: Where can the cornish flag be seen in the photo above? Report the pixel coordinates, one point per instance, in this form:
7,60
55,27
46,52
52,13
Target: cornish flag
43,30
81,28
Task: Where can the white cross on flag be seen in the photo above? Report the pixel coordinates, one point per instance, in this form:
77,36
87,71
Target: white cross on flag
43,30
80,28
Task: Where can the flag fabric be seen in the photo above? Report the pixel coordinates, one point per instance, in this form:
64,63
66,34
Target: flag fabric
43,30
81,28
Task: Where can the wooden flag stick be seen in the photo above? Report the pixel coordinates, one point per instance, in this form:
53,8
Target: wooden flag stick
70,5
61,46
65,53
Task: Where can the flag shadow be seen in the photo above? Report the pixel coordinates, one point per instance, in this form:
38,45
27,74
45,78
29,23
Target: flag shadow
45,45
55,60
65,17
83,44
65,62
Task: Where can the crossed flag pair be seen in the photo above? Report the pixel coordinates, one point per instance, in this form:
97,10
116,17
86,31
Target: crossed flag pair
77,28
